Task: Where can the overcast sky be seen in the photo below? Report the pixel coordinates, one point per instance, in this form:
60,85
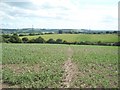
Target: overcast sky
75,14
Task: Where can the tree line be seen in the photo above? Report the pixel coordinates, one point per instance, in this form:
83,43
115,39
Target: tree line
15,39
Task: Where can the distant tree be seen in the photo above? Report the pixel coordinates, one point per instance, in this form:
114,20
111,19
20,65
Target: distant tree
99,42
31,34
1,39
65,42
6,36
51,41
4,40
116,44
22,35
94,33
39,40
60,31
107,32
115,32
32,41
25,40
15,39
59,41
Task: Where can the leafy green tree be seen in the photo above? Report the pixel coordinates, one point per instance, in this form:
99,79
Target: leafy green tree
59,41
1,39
15,39
6,36
65,42
51,41
99,42
31,34
32,41
39,40
60,31
25,40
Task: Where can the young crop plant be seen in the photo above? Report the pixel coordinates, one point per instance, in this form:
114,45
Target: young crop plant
98,66
33,65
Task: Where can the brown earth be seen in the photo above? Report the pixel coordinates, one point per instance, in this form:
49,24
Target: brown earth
5,85
70,69
22,68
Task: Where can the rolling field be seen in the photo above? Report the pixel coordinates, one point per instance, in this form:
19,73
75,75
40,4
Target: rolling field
48,65
80,37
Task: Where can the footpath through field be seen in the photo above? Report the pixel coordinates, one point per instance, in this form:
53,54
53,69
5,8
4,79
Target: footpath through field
70,69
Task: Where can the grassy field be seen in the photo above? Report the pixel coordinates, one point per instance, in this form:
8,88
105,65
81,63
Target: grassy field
79,37
48,65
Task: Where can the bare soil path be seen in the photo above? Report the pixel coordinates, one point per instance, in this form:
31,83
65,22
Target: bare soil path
70,69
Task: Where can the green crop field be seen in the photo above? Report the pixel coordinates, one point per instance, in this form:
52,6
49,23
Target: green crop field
33,65
52,65
80,37
98,66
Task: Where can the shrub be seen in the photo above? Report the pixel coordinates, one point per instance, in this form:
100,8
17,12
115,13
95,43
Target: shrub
60,32
32,41
25,40
51,41
39,40
15,39
116,44
65,42
59,41
6,36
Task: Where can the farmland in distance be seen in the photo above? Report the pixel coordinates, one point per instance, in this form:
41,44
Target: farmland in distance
79,37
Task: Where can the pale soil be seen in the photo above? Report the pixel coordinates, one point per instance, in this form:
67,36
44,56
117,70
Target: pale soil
22,68
5,85
70,69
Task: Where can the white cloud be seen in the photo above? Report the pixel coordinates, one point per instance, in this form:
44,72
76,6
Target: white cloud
62,14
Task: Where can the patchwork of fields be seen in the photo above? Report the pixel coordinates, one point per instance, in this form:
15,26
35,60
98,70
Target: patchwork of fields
79,37
48,65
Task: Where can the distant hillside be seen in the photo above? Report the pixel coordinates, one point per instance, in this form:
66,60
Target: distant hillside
37,30
30,30
109,38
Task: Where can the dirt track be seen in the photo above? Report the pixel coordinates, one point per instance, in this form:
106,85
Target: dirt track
70,70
